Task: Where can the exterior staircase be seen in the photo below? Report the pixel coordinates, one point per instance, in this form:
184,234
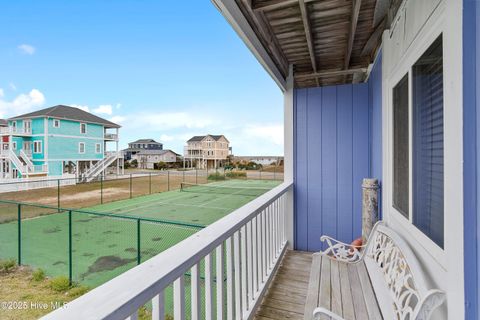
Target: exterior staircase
100,166
24,165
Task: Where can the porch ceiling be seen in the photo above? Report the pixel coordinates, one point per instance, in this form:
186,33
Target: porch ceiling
327,41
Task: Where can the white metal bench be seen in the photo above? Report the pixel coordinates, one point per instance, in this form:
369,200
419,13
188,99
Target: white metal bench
382,280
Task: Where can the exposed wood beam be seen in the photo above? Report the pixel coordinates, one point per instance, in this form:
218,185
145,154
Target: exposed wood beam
273,4
353,28
372,42
308,33
330,73
267,33
381,10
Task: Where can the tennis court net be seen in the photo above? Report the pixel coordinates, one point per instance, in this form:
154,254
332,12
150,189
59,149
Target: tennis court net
227,190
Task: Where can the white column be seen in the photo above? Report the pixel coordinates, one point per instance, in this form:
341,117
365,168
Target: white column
118,161
10,164
288,153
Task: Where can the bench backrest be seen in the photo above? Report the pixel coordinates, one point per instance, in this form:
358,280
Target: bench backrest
397,277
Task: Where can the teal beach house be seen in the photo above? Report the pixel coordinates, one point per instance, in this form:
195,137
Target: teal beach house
56,142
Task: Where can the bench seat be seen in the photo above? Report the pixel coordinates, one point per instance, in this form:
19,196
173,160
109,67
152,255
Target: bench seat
345,289
379,280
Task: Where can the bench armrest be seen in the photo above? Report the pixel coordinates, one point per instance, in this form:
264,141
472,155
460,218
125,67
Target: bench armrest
432,300
319,311
342,251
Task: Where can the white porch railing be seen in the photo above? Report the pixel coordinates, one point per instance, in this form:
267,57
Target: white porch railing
247,245
111,136
14,131
26,159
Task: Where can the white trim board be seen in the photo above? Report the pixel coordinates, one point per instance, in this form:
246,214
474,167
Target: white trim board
444,268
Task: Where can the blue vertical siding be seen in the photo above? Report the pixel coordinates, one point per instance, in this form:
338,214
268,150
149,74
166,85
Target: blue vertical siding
338,142
301,169
332,156
471,140
345,160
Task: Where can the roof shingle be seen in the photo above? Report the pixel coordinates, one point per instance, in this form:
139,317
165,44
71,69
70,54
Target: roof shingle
68,113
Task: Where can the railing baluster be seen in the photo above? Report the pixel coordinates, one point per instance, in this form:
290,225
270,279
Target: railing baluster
230,286
277,231
219,275
249,263
208,287
282,219
264,245
260,244
269,244
274,233
238,275
243,238
179,298
158,307
196,293
255,255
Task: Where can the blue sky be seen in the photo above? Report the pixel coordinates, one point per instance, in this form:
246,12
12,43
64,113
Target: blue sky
162,69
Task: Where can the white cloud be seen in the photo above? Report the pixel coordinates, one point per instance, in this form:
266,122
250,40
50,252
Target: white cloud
2,93
270,132
12,86
166,138
104,109
117,119
82,107
23,103
171,120
27,49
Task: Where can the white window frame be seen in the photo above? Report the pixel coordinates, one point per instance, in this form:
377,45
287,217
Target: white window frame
80,149
36,149
25,122
453,150
98,148
56,123
85,125
14,126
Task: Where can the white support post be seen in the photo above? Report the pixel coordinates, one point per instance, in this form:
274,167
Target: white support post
118,159
288,154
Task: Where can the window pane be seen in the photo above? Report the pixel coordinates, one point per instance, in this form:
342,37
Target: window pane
428,143
400,147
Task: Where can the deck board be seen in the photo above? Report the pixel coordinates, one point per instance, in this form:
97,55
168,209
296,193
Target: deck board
287,293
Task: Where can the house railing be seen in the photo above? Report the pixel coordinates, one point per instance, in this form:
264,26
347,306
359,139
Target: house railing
40,168
111,136
244,248
26,158
15,130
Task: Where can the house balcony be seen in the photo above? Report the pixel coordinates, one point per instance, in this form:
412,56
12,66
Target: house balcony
13,131
110,137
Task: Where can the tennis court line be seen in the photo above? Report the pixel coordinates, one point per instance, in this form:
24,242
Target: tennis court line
148,204
203,205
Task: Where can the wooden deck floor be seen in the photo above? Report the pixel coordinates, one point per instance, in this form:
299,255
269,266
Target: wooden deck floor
287,294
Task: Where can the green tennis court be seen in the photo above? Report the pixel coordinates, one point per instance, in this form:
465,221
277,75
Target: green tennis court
103,247
198,204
